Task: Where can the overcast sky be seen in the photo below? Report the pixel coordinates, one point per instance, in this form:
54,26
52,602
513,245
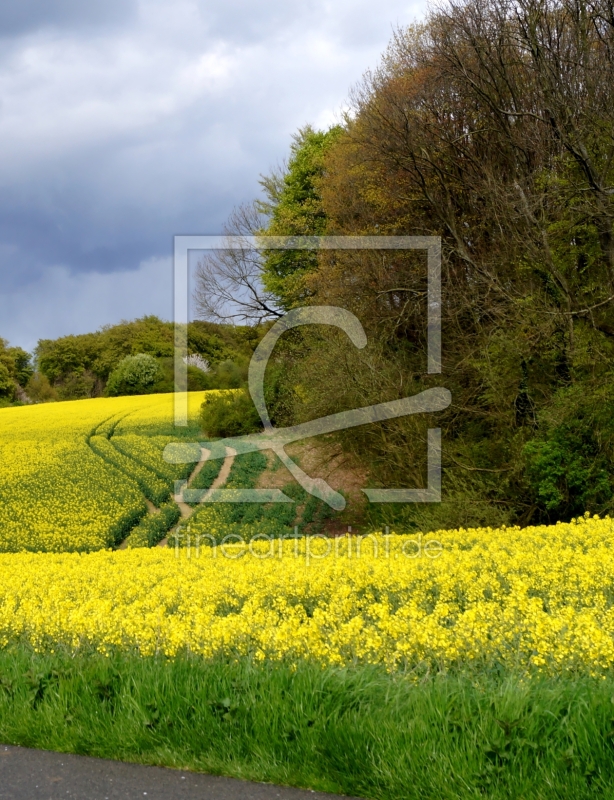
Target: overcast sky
123,123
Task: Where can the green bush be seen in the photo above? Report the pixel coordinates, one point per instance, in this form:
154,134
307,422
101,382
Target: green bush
229,414
78,385
134,375
226,375
569,463
165,382
7,387
198,380
39,390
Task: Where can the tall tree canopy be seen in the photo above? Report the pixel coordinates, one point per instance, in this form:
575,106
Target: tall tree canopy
491,125
15,371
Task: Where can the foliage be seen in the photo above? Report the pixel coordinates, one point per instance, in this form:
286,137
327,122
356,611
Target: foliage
230,413
39,390
6,383
22,368
78,385
568,463
15,370
80,366
295,209
227,375
197,379
355,732
483,597
134,375
100,352
476,127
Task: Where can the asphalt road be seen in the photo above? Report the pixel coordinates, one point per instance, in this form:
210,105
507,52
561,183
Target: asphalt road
42,775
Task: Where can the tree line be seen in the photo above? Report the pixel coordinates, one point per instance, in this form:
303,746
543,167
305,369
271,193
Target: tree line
491,125
135,357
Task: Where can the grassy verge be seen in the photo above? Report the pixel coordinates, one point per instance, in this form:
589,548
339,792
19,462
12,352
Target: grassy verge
360,732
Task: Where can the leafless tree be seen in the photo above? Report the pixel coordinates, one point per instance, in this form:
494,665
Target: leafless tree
228,282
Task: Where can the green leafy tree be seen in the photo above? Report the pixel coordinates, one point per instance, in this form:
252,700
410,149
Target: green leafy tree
7,385
134,375
57,359
39,390
15,370
568,463
22,369
294,206
490,126
258,287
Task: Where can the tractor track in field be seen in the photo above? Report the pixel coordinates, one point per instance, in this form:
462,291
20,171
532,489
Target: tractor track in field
185,510
220,480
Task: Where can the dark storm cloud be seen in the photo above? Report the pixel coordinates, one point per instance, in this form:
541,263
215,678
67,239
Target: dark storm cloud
124,124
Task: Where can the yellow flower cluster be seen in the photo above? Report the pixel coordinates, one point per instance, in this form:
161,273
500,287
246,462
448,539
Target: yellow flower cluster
149,413
541,597
56,492
148,451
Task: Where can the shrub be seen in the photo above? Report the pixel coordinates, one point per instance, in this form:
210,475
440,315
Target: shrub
78,385
569,463
39,390
226,375
229,414
198,380
134,375
7,387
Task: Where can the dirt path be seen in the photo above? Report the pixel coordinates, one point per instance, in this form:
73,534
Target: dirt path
151,508
220,480
186,510
223,474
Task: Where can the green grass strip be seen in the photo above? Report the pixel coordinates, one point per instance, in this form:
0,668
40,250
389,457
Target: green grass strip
153,527
360,732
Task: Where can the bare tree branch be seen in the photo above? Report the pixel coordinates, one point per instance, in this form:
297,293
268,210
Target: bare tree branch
228,282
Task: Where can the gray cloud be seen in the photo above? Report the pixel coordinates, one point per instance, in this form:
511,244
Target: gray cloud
122,125
61,302
17,18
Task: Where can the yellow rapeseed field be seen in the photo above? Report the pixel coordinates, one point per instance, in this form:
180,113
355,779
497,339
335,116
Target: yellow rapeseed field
541,597
56,492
